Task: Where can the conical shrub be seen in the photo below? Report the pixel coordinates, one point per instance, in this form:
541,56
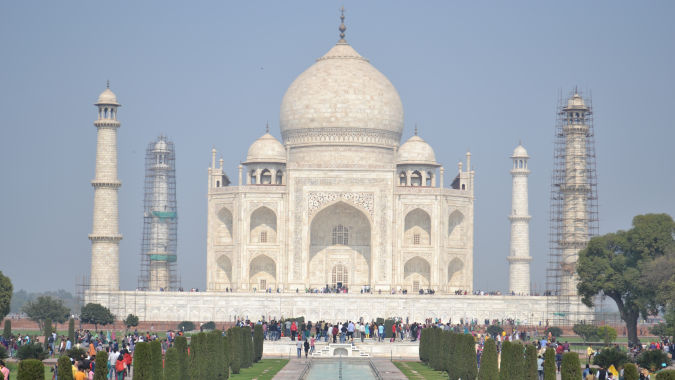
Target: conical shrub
570,368
65,368
142,365
549,364
101,365
488,362
171,367
531,370
156,359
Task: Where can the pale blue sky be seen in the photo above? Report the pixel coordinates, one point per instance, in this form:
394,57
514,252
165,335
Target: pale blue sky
472,75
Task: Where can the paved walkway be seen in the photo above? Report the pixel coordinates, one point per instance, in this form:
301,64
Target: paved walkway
388,370
292,370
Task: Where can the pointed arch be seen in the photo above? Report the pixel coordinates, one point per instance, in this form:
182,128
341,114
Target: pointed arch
417,230
224,229
416,178
455,272
224,274
262,272
455,227
263,226
266,177
417,273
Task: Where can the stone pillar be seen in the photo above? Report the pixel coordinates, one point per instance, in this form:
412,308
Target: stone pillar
105,236
519,255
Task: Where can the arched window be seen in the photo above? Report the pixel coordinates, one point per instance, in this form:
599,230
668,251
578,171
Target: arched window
253,179
340,276
430,175
263,237
402,179
340,235
280,177
416,179
266,177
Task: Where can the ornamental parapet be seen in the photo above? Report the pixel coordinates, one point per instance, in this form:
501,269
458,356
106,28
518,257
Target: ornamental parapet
520,218
519,259
252,189
98,183
107,123
428,190
341,136
112,238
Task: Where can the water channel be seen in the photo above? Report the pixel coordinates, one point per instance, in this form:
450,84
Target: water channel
329,369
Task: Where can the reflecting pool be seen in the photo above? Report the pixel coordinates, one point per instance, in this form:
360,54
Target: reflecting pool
329,369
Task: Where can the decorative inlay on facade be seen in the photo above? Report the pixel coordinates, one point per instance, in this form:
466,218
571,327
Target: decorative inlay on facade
316,200
341,135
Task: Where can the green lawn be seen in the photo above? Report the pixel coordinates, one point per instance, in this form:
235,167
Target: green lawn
263,370
419,371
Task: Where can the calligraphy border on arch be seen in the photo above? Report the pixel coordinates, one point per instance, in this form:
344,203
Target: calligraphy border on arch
364,200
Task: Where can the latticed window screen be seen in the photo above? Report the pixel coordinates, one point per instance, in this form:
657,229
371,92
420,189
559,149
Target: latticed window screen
263,284
416,286
416,239
263,236
340,274
340,235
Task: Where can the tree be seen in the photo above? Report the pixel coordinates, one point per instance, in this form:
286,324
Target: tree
65,369
607,334
97,314
531,370
211,325
652,359
71,330
45,307
186,326
31,351
198,358
31,369
554,330
630,372
488,362
7,332
668,374
610,356
587,332
181,348
258,340
171,368
101,365
570,368
549,364
6,289
235,349
156,360
512,362
47,331
613,264
467,354
142,362
131,321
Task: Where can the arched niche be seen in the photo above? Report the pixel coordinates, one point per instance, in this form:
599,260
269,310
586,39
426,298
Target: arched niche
455,272
417,274
224,272
339,234
263,226
262,273
224,229
455,226
417,228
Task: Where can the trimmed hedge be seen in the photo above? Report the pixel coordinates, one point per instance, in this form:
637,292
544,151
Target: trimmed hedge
652,359
71,330
181,347
234,343
101,365
7,332
171,367
142,362
512,365
488,362
65,369
549,364
186,326
424,349
198,357
31,369
610,356
630,372
258,342
666,375
531,370
570,368
467,357
156,360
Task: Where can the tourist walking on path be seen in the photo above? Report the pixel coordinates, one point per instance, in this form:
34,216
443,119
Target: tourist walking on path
306,344
299,346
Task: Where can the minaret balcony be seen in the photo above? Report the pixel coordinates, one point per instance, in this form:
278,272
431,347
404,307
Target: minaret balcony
519,259
97,183
111,238
520,218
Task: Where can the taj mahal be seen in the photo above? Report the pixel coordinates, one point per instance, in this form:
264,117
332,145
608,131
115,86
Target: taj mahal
339,220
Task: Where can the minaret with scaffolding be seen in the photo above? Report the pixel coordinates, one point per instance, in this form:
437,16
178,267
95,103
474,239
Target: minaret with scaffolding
574,206
158,250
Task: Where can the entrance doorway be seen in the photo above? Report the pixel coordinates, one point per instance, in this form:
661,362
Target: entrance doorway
340,277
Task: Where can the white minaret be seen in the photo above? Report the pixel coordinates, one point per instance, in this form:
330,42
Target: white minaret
105,237
519,255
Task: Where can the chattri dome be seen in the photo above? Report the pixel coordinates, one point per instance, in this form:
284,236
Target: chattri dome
520,152
416,151
266,149
107,97
341,99
576,101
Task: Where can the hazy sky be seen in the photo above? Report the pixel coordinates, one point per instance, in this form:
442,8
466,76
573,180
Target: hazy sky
472,75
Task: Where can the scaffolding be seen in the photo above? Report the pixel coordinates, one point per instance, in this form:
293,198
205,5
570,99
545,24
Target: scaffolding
573,206
159,245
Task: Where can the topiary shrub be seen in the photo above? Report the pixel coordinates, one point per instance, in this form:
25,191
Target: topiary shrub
652,359
156,360
76,353
585,331
198,357
531,370
488,362
65,369
387,328
446,358
171,367
211,325
549,364
246,346
555,331
258,341
142,362
31,369
570,368
31,351
512,361
630,372
7,332
181,349
234,342
3,352
467,354
666,375
423,346
101,365
186,326
212,348
71,330
610,356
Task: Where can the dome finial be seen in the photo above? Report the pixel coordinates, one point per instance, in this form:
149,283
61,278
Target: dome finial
267,127
415,129
107,83
342,27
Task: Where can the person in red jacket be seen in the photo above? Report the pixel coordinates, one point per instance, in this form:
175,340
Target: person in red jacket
393,332
294,329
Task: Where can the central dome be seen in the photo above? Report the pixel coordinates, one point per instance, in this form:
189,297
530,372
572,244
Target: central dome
343,100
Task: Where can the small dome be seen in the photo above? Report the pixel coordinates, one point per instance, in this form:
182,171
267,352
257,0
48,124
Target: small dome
520,152
266,149
576,101
107,97
416,151
160,145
